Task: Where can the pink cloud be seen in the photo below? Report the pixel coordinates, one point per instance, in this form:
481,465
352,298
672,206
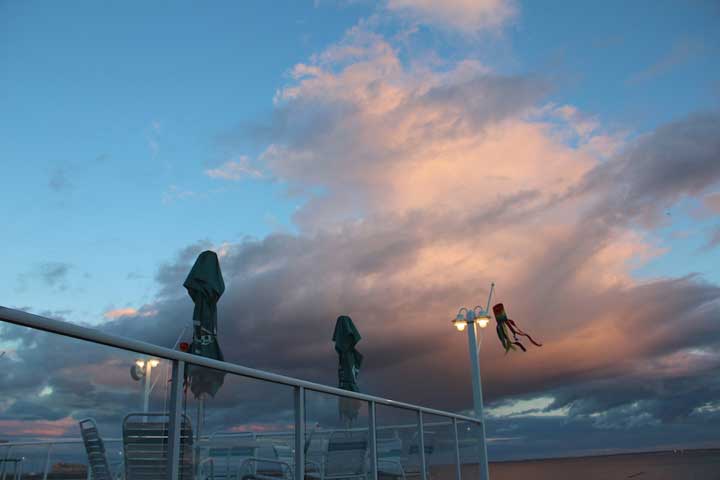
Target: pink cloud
234,170
437,182
129,312
120,312
468,16
38,428
711,202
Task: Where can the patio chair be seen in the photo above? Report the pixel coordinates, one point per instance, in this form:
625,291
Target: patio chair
412,461
241,455
315,449
145,446
268,464
95,449
228,459
389,457
346,457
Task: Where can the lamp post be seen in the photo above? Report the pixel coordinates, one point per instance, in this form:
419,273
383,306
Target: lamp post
472,318
142,369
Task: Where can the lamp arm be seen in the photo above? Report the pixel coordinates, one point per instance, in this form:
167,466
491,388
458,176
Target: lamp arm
492,289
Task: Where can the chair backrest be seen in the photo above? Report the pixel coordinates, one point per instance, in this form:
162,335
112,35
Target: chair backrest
145,446
346,454
413,454
95,449
389,448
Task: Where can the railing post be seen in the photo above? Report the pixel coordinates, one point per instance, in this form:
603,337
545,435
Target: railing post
421,446
299,433
47,462
175,419
373,442
5,462
458,465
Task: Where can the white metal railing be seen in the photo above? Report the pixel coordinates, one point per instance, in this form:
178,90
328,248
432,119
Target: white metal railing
180,359
206,441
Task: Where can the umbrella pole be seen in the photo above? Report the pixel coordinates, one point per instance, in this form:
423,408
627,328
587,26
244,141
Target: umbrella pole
199,423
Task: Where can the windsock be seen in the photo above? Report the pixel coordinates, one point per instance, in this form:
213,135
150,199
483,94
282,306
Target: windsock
505,326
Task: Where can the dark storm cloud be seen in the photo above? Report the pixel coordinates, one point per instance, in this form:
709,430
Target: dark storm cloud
678,160
49,274
53,273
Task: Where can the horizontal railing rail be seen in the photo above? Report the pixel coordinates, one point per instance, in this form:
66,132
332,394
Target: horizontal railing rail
66,329
44,443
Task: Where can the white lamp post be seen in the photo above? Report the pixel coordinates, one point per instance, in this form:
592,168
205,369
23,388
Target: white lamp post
471,318
142,369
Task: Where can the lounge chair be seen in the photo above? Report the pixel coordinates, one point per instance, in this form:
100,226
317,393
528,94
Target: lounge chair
346,457
237,456
95,449
412,462
389,457
267,465
145,447
227,460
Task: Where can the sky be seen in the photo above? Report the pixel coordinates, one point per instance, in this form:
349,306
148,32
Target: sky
382,160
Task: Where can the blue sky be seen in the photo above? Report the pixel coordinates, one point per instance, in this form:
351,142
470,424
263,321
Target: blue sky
136,134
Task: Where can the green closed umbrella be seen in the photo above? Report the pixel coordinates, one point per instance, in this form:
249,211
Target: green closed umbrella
205,285
346,336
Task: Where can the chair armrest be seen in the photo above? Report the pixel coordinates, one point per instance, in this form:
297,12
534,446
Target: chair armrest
256,460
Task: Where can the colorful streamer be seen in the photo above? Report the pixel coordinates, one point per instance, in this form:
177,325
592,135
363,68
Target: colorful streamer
505,326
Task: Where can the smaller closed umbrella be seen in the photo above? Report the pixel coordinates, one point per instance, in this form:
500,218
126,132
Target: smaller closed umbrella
205,285
346,336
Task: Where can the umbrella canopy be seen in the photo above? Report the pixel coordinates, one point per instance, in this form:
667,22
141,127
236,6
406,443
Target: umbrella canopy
350,360
205,285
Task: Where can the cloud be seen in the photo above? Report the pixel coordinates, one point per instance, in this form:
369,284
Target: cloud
681,52
714,239
175,193
234,170
129,312
50,274
54,273
711,202
678,160
360,125
467,16
59,180
39,428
